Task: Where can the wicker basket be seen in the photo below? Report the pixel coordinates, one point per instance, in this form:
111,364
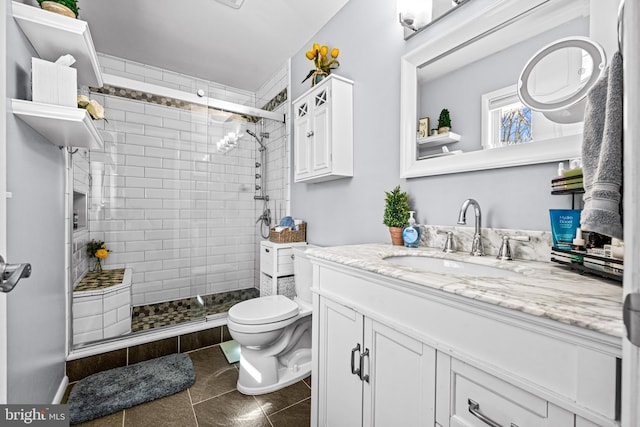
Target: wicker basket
289,236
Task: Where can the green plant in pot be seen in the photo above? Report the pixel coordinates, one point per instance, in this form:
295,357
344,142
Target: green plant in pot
444,121
64,7
396,214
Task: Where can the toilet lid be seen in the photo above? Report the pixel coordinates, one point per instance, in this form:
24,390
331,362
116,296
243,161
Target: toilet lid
261,310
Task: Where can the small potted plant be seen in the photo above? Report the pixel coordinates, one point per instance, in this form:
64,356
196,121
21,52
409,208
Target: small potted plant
444,121
64,7
396,214
323,65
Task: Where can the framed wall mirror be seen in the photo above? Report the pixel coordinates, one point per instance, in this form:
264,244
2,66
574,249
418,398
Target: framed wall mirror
470,67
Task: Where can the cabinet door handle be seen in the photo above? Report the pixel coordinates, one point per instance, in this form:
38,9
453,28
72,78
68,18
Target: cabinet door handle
354,371
474,408
362,356
266,250
309,134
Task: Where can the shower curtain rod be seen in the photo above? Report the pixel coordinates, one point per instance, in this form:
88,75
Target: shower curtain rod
124,82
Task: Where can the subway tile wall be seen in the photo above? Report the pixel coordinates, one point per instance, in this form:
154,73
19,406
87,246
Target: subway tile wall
167,204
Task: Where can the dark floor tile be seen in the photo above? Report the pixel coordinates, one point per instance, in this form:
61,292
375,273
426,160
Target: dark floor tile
230,409
214,375
273,402
308,381
81,368
142,352
298,415
170,411
226,335
113,420
200,339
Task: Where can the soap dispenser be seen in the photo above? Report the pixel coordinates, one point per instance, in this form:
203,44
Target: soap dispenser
411,233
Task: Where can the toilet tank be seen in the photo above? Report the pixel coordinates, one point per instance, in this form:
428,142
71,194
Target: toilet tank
303,272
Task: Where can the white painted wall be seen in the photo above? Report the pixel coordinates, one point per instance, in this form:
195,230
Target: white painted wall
35,234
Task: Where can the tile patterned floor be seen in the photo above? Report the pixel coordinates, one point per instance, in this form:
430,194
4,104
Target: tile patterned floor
214,401
151,316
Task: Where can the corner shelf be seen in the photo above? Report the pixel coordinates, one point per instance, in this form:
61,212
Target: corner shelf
62,126
53,35
440,139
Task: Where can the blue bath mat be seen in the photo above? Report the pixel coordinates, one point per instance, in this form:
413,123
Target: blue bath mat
116,389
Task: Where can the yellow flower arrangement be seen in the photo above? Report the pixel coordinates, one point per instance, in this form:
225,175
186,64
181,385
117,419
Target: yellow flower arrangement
95,110
323,60
97,249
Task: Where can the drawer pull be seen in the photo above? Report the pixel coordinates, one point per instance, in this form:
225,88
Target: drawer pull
362,356
354,371
266,250
474,408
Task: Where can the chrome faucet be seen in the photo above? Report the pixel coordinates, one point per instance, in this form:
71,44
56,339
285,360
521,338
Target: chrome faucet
477,249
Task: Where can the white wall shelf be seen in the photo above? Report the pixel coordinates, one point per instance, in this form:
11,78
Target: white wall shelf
62,126
53,35
440,139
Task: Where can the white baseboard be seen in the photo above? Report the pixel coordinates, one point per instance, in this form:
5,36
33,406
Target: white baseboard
61,389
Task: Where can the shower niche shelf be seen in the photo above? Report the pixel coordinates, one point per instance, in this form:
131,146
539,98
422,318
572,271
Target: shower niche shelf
53,35
62,126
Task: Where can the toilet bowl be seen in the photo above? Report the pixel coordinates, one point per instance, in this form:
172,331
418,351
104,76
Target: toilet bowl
274,334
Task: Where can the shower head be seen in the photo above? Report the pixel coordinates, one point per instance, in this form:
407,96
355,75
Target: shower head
257,139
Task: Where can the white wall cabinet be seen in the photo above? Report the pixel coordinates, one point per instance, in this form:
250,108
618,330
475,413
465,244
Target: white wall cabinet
323,131
436,358
372,375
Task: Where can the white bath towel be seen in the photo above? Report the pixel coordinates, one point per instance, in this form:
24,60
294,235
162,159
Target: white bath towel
602,154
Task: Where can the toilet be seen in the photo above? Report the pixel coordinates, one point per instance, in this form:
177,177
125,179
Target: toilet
274,334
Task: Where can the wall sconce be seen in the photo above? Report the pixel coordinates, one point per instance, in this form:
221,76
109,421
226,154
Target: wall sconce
415,15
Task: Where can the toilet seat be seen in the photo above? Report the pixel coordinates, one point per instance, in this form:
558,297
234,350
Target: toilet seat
262,314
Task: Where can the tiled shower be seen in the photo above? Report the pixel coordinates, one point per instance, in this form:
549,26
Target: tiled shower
168,205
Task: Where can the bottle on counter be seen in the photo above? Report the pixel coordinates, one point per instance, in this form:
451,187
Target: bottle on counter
411,233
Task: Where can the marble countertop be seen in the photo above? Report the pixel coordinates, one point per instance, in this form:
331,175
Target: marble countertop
541,288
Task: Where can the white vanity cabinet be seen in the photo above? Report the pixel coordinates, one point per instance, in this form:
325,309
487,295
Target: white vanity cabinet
323,131
371,375
436,358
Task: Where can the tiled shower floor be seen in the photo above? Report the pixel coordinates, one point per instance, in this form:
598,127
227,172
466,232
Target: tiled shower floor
151,316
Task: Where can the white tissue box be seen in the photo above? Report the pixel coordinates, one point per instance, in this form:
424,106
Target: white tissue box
53,83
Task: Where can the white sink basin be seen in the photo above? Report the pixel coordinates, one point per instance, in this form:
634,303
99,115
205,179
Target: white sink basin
446,266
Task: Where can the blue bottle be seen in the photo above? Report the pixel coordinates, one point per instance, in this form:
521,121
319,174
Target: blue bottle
411,233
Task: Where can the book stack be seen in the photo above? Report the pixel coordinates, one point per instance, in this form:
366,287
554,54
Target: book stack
570,181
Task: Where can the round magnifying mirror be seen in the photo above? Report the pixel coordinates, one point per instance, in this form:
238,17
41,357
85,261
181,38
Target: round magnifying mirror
557,78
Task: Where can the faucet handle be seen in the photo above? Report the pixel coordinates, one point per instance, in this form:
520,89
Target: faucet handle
449,246
504,253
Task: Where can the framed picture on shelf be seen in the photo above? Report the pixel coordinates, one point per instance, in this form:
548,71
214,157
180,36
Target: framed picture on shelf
423,127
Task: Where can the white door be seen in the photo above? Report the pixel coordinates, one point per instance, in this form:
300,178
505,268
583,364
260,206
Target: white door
321,140
630,352
401,379
301,138
3,201
340,390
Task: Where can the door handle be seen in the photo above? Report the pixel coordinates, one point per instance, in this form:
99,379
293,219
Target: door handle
309,134
10,274
362,356
354,371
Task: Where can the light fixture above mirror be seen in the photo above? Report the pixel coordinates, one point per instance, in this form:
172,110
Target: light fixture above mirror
416,15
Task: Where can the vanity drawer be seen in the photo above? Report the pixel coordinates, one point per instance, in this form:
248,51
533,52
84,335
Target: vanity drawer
478,399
